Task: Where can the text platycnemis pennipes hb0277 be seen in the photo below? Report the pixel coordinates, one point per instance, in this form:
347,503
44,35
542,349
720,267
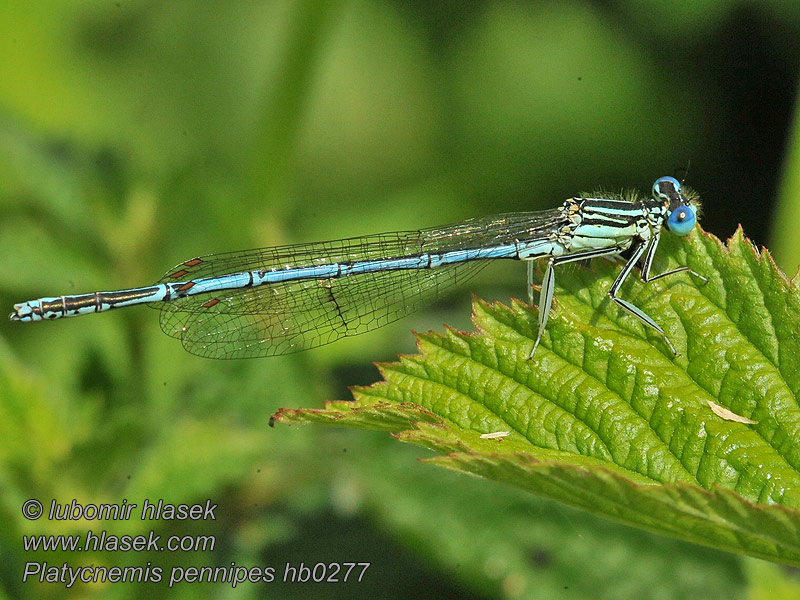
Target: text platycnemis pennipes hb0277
286,299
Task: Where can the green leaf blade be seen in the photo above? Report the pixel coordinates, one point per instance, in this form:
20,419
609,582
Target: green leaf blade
606,419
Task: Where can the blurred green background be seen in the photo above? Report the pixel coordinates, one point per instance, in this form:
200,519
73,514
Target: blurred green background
135,135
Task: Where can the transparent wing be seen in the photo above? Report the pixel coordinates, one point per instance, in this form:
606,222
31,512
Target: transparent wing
297,315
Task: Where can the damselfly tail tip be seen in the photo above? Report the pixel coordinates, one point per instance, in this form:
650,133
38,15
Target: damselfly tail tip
21,312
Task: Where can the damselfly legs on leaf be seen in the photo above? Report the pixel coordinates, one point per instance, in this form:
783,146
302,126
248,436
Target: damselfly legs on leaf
285,299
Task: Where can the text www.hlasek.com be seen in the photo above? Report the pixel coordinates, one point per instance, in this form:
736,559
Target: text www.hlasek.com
105,542
333,572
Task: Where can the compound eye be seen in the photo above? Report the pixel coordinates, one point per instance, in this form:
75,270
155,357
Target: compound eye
666,188
681,220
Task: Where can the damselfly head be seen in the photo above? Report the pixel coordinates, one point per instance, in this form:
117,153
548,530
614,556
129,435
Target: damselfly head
668,189
681,220
681,211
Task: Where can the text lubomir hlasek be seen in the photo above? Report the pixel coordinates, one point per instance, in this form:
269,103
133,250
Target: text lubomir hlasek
124,511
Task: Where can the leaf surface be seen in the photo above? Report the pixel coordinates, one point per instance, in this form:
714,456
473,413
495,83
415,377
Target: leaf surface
604,417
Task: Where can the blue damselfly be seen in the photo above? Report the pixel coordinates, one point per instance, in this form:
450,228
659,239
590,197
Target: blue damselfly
285,299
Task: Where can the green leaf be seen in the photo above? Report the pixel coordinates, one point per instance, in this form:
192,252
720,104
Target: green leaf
604,417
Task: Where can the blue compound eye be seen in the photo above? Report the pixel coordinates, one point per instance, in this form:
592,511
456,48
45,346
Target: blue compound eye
681,220
666,188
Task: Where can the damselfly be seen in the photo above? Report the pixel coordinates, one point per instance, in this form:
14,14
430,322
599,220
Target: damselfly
286,299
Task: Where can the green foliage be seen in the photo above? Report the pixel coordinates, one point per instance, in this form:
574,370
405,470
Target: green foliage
785,241
134,135
605,418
